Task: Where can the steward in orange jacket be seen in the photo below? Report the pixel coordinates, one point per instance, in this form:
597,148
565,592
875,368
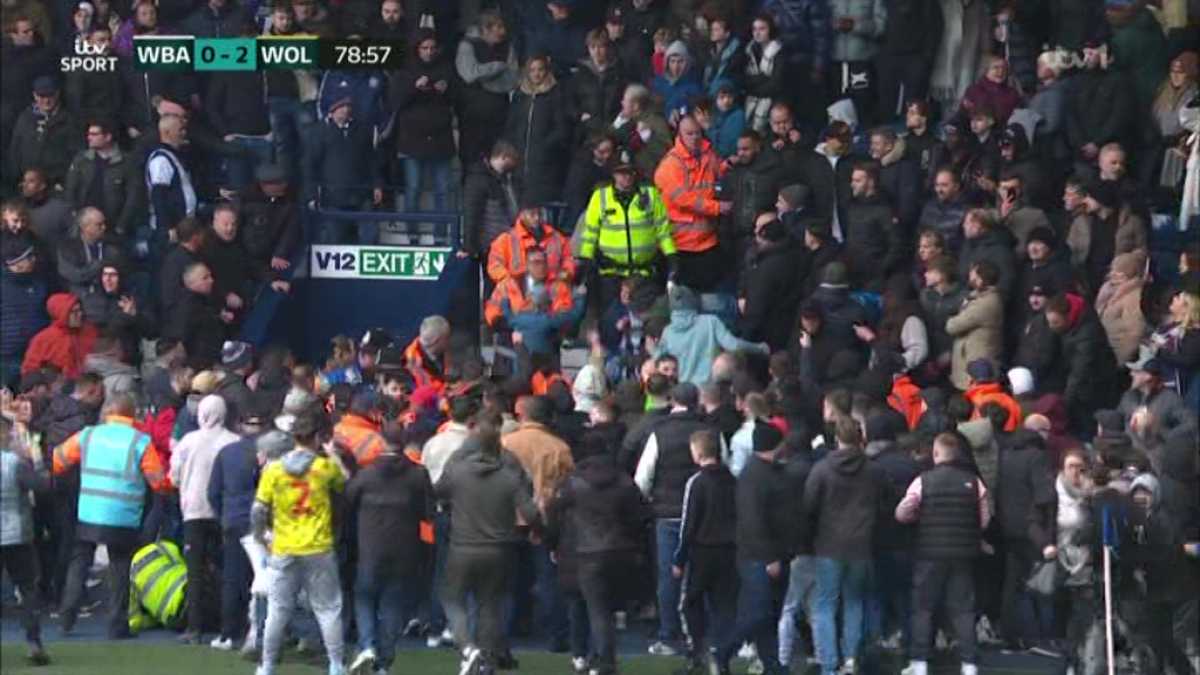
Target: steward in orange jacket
425,356
983,393
687,179
507,256
357,433
515,290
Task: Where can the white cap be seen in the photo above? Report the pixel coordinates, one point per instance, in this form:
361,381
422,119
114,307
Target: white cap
1021,381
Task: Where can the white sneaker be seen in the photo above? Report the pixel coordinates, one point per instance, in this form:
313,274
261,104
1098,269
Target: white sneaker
579,664
748,651
849,667
470,661
225,645
916,668
970,669
661,649
363,663
264,670
620,620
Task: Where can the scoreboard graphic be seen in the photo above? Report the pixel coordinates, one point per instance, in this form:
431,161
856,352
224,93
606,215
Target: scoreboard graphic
187,53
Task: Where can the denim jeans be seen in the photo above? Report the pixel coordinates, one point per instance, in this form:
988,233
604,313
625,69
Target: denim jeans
379,600
800,599
552,610
666,536
760,600
239,169
840,584
290,118
439,171
889,604
441,544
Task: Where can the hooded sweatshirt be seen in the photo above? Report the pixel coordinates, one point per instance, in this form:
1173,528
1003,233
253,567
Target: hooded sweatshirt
695,339
844,498
57,344
193,457
390,498
485,494
676,92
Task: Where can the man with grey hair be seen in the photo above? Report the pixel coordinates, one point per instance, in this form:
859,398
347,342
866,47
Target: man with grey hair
425,356
643,134
81,257
196,319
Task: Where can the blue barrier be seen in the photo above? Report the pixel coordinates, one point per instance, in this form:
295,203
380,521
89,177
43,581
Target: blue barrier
348,288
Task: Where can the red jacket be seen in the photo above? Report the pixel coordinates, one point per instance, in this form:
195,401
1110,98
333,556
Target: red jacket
57,345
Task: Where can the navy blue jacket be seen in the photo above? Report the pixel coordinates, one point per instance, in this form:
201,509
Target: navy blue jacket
24,312
232,484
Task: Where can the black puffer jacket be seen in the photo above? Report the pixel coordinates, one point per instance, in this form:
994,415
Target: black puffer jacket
537,125
995,246
390,498
752,188
597,93
62,418
873,242
772,291
601,507
423,125
236,104
1102,109
1024,481
270,225
490,203
1089,361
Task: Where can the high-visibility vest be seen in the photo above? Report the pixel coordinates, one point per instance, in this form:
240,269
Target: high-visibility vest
540,384
506,257
628,239
424,375
991,392
906,399
111,486
361,437
158,586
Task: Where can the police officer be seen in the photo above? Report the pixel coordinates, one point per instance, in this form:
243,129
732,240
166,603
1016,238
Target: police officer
624,228
117,464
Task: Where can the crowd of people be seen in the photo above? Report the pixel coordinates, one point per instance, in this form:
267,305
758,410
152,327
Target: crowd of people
891,312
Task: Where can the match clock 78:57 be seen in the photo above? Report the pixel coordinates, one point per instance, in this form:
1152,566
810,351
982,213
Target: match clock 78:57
367,54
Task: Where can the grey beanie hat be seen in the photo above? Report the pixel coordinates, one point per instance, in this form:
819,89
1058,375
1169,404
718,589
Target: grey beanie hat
274,444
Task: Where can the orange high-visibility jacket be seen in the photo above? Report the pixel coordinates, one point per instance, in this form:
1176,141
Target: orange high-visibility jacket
361,437
424,372
506,258
688,187
513,288
991,392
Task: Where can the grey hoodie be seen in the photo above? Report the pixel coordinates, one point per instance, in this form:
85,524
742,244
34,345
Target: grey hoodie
485,495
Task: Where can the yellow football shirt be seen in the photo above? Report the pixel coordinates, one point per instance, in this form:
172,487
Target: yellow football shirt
301,506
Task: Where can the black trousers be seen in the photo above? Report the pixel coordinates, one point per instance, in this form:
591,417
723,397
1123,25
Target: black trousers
120,556
702,272
236,577
486,574
949,586
21,563
201,553
710,582
603,582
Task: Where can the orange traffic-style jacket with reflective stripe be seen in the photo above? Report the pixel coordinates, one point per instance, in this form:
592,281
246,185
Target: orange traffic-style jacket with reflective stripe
361,437
688,186
506,258
906,400
512,288
425,373
541,383
991,392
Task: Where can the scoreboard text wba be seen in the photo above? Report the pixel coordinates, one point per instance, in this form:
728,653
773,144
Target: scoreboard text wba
186,53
